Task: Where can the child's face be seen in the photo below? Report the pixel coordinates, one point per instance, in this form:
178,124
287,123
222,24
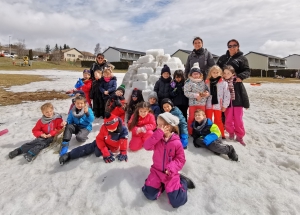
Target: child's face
196,75
177,78
134,98
199,117
86,75
79,104
143,112
160,123
167,107
106,75
97,75
152,101
227,74
215,73
165,75
48,112
119,93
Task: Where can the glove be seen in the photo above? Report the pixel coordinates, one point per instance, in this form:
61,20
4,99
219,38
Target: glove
173,84
109,159
64,148
79,83
122,156
184,138
118,103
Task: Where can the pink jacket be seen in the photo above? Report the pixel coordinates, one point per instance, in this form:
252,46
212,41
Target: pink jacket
148,122
167,155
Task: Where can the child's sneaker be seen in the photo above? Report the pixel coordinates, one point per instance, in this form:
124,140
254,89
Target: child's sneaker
63,159
231,136
14,153
240,140
189,182
232,154
28,157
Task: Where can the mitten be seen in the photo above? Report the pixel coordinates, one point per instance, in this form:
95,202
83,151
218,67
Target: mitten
109,159
79,83
173,84
118,103
64,148
184,138
122,156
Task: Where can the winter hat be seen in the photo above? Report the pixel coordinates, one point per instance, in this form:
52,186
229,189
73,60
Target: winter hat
122,88
86,71
153,94
195,68
166,100
111,121
170,118
134,92
81,93
165,69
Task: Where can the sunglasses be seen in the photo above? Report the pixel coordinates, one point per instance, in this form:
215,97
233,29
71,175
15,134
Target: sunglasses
232,46
100,58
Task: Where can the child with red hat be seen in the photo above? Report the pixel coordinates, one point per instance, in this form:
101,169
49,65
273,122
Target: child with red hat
112,137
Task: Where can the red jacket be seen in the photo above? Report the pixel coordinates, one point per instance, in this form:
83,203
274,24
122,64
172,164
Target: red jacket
86,88
51,128
148,122
116,110
112,140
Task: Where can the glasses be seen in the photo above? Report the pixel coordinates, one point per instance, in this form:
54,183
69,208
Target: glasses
232,46
100,58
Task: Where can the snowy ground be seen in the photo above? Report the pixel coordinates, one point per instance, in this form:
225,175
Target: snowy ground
265,181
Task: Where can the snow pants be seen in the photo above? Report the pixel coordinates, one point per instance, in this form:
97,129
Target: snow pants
85,150
217,118
191,118
158,181
234,121
137,140
183,109
216,146
81,133
35,146
98,106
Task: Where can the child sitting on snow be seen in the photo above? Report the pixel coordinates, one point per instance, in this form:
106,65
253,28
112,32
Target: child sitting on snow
136,97
154,104
79,122
111,138
96,95
116,103
44,131
206,134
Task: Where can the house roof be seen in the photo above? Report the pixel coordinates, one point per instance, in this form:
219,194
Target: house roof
66,50
265,55
89,54
189,52
292,55
125,50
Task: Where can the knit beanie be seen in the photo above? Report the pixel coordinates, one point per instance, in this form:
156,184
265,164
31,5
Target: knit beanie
170,118
122,88
165,69
195,68
153,94
166,100
111,121
86,71
134,92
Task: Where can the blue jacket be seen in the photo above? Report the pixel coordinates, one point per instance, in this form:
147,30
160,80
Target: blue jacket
182,121
156,110
110,86
84,121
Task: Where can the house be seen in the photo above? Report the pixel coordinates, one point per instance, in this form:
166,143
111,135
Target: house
113,54
293,61
71,54
183,55
88,56
265,62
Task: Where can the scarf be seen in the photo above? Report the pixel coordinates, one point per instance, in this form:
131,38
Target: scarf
46,120
107,79
166,80
230,82
196,80
199,126
199,51
214,89
77,113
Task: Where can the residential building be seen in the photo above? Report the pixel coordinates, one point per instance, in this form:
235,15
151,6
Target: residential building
264,61
113,54
293,61
72,54
183,55
88,56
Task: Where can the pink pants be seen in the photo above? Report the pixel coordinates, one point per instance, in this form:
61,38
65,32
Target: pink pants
137,141
217,118
191,118
234,121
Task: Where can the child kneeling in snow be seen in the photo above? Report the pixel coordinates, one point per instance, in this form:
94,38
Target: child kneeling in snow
111,138
168,159
206,134
154,104
44,131
79,122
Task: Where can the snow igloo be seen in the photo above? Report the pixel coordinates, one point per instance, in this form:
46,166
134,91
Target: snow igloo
144,72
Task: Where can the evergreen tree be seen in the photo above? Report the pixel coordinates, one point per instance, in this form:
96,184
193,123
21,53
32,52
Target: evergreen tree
65,46
47,49
56,47
97,49
60,48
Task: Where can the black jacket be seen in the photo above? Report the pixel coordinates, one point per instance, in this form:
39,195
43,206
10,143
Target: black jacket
238,61
97,66
177,94
241,96
162,88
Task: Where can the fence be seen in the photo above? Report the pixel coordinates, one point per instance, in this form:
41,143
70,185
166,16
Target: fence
270,73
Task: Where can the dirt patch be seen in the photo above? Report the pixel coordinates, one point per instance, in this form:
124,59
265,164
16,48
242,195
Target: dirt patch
271,80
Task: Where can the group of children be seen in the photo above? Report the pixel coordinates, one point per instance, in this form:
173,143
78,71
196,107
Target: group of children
161,124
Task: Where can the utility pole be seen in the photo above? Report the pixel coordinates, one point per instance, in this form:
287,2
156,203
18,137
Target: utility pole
9,45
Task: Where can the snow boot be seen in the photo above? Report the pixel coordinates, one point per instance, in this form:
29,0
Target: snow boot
64,148
189,182
28,156
231,136
232,154
241,141
14,153
63,159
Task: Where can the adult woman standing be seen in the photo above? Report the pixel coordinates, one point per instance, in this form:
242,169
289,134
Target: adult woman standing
99,64
235,58
200,55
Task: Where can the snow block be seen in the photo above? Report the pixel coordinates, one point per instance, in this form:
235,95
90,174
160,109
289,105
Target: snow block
172,65
141,85
153,79
142,77
146,70
153,64
158,70
146,93
145,59
162,58
127,94
155,52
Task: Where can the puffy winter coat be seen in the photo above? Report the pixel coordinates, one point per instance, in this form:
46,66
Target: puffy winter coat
177,93
205,61
110,86
208,131
222,93
96,66
116,105
86,88
182,121
238,62
156,109
241,96
168,155
112,141
148,122
83,122
51,128
192,88
162,88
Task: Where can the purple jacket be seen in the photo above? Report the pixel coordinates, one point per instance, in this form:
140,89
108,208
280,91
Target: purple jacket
167,155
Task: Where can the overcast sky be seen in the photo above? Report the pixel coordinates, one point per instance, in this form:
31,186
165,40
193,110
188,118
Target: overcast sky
268,26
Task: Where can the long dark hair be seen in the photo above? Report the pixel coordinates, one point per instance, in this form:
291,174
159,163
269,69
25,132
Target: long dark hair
179,73
135,118
139,98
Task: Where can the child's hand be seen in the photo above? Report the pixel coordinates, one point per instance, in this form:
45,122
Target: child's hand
86,108
63,123
223,109
48,135
106,92
167,172
238,80
43,135
199,97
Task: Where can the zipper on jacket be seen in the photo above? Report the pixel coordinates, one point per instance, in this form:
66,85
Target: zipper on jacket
164,159
228,60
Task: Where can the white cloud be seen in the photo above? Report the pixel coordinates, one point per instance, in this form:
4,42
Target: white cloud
281,48
180,45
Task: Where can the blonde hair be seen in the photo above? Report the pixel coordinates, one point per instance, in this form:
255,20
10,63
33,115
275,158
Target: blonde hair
200,111
174,129
107,70
98,71
215,67
111,66
46,106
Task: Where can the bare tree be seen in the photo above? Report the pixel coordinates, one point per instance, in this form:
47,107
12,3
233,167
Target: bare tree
56,55
97,49
20,48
